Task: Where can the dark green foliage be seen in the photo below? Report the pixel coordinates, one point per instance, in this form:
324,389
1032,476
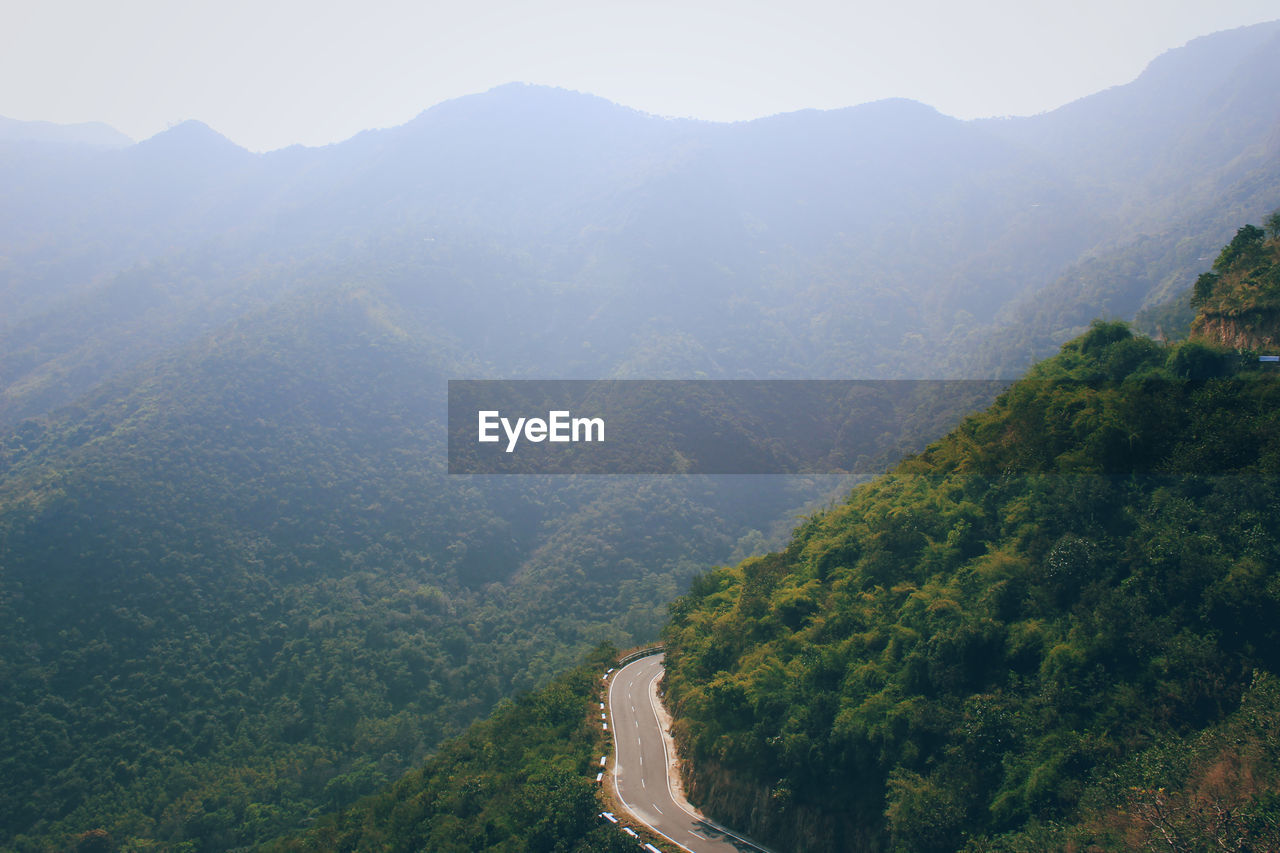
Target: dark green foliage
1243,250
1203,288
1197,360
238,589
1084,571
1203,791
521,780
1102,335
1243,289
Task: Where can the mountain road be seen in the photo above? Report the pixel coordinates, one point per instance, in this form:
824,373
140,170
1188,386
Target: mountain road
643,774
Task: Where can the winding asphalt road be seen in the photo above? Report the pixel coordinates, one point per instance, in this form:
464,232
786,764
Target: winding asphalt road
641,759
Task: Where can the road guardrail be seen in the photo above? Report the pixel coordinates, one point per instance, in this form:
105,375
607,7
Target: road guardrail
643,653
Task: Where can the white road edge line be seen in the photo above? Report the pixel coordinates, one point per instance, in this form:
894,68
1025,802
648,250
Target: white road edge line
653,699
618,791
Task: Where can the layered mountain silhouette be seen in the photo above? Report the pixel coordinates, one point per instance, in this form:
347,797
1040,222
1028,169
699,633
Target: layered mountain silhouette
235,571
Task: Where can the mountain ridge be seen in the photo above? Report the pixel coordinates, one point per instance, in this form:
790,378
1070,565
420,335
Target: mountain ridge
956,655
90,133
221,380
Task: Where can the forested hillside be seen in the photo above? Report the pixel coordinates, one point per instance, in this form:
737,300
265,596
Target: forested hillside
237,587
1055,627
1239,300
522,779
241,589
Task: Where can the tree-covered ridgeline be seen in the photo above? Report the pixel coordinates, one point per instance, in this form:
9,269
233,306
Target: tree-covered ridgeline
522,779
1239,300
237,589
981,640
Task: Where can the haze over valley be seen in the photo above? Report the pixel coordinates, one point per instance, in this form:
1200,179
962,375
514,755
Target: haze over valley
239,590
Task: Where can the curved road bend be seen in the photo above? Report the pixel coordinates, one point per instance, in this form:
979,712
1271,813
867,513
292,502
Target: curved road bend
641,762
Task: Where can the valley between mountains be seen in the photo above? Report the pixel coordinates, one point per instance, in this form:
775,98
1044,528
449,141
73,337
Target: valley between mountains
244,605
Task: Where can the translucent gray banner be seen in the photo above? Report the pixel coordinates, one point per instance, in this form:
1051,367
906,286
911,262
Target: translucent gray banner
700,426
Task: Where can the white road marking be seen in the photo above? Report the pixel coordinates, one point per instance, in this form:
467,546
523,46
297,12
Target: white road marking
646,675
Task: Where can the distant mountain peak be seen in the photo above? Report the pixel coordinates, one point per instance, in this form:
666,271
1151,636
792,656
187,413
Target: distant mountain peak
191,141
89,133
1219,48
515,99
898,105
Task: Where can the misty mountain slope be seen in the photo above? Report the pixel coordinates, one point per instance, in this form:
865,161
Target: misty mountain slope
138,314
1197,140
1180,122
1148,278
524,213
90,133
238,575
77,215
237,585
884,235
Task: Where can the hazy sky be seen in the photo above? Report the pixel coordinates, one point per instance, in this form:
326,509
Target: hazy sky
268,74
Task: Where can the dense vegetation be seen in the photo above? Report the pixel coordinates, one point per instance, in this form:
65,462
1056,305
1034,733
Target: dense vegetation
1214,789
1239,300
1085,573
521,780
237,588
